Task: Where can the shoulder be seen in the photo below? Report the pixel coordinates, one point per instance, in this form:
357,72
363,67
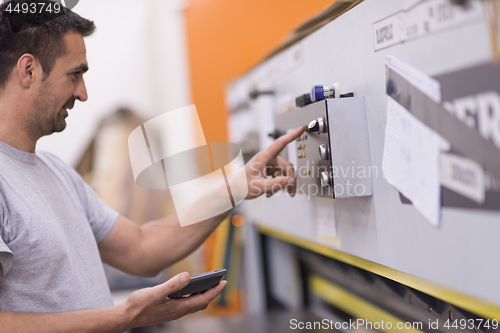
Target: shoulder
51,159
56,163
62,170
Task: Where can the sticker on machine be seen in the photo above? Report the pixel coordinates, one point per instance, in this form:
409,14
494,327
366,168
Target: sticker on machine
422,19
463,176
326,222
389,31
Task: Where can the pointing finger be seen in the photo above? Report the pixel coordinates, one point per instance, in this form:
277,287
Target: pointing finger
280,143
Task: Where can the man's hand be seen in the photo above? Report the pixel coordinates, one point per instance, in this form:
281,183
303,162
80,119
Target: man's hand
144,307
152,305
267,163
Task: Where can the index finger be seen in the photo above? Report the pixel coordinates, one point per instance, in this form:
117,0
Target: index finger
280,143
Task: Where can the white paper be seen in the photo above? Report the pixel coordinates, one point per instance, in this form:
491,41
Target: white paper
426,84
326,222
411,160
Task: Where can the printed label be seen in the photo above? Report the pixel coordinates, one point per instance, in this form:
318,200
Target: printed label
423,19
389,31
463,176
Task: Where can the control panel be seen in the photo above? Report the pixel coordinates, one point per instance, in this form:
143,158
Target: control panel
331,158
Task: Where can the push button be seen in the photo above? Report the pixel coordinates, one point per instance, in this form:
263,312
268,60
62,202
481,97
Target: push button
325,179
317,125
323,152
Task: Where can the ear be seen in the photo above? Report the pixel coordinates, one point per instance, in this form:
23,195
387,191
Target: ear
26,69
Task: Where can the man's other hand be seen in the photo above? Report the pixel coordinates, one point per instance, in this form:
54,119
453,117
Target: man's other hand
267,163
153,306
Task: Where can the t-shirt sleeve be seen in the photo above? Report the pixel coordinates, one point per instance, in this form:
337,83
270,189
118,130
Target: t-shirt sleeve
6,255
100,216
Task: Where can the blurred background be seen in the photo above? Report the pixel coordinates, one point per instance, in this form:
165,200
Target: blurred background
372,257
154,56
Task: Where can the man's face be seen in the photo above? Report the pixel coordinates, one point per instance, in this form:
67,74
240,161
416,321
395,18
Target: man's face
58,92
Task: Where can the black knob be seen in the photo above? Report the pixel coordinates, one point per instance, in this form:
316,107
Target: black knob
276,134
317,125
351,94
255,93
303,100
313,126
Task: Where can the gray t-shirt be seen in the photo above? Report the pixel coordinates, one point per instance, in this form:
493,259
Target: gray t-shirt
50,224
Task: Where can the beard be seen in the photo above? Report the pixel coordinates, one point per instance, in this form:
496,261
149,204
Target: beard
44,119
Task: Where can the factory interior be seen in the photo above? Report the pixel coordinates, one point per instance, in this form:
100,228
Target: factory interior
390,217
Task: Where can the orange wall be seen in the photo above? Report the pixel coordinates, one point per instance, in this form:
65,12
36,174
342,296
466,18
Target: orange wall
228,37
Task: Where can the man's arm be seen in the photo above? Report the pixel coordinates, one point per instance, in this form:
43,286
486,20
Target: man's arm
148,249
144,307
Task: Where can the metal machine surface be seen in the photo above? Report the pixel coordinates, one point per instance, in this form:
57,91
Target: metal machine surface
457,48
332,159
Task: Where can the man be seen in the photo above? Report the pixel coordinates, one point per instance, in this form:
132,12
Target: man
54,230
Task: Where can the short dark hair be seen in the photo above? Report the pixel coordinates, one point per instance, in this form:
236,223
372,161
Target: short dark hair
40,34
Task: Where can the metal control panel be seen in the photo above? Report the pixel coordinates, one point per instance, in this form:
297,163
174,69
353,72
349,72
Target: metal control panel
352,170
456,51
332,157
309,166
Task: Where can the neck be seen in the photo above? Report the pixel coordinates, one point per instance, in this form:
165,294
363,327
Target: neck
14,139
12,127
